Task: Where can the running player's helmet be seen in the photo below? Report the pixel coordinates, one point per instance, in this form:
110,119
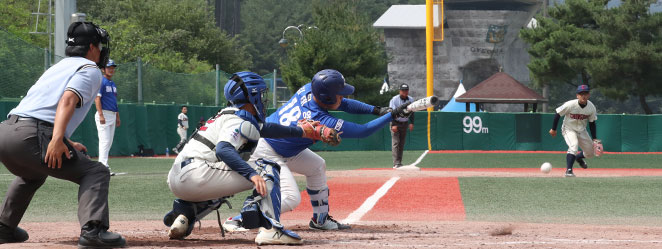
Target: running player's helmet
247,87
328,83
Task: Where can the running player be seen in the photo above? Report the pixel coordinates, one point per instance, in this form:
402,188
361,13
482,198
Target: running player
576,113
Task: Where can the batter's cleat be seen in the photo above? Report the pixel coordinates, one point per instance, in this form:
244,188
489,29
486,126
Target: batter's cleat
180,228
12,235
568,173
329,224
582,163
275,236
93,235
232,226
397,166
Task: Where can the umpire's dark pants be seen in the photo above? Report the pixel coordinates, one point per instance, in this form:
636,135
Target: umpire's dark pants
398,141
20,152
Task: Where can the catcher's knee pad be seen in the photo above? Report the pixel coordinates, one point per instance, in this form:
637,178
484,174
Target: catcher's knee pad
264,211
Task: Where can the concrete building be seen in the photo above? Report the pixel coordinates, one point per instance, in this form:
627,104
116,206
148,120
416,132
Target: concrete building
481,38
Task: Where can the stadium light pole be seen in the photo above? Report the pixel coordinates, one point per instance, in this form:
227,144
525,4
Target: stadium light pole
284,42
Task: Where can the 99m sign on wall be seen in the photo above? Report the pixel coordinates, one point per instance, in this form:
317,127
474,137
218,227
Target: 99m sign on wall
474,124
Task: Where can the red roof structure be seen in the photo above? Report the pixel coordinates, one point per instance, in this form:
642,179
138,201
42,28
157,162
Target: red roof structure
500,88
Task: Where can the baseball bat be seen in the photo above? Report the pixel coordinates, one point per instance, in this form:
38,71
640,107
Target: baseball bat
422,104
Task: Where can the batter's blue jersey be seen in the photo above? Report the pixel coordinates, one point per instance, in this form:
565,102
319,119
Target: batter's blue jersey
302,106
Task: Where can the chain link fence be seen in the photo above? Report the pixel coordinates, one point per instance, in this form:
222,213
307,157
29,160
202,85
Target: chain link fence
21,64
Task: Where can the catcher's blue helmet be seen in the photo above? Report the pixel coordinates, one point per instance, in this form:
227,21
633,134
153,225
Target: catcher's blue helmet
247,87
329,83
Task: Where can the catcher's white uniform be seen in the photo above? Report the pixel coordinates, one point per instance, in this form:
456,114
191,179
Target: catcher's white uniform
574,126
205,177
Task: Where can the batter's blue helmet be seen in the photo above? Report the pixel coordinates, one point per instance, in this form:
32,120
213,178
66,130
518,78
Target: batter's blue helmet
244,88
329,83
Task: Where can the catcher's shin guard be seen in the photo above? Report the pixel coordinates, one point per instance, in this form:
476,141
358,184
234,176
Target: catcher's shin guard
192,211
264,211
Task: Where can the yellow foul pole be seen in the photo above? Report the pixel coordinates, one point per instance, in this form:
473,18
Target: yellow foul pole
429,35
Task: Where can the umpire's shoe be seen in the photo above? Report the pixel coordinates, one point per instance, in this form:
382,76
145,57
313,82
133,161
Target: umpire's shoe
94,235
329,224
12,235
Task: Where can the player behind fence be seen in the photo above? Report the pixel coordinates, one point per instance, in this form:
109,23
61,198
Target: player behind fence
210,166
576,113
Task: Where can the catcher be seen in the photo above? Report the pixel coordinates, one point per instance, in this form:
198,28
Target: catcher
210,166
576,113
313,101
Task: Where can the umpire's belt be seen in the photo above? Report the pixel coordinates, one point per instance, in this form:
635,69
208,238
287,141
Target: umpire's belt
186,161
16,118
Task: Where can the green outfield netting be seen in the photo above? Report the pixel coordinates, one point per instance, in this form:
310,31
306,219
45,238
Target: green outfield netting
21,65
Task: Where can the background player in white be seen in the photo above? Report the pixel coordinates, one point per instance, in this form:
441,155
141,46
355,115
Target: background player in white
107,117
576,113
313,101
182,127
210,166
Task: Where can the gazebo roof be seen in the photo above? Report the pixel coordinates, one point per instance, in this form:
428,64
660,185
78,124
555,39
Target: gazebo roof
501,88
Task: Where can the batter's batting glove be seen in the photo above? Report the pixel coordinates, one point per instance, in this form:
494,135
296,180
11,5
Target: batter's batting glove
316,131
400,111
380,111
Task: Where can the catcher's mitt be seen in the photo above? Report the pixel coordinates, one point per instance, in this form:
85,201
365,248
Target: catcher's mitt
316,131
597,147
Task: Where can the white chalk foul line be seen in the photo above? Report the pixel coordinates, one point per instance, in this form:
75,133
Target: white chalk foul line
419,158
370,202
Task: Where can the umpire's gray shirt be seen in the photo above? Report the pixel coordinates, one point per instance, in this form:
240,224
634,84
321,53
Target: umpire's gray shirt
42,99
397,101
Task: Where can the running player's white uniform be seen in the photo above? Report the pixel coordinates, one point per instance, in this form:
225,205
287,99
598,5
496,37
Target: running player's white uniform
204,177
574,126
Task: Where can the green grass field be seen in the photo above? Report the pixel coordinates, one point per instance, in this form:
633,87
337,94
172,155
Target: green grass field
142,194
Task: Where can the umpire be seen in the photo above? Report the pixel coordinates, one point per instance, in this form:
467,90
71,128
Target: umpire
35,144
400,125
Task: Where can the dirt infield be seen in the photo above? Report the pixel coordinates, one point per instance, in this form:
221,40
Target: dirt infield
389,225
374,234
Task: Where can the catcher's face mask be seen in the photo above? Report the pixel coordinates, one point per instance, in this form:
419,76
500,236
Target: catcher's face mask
85,33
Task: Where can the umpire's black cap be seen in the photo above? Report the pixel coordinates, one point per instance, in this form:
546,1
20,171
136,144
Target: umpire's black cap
404,87
84,33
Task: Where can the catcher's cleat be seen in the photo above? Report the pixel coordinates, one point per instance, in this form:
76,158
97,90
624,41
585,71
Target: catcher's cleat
180,228
169,218
568,173
94,235
12,235
582,163
232,225
275,236
329,224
